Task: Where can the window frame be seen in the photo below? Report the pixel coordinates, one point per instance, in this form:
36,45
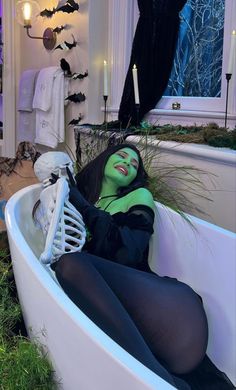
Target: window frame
123,15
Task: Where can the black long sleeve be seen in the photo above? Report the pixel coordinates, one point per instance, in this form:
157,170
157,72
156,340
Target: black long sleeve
122,237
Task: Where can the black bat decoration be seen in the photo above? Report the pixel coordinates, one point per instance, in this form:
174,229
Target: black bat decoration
67,45
76,97
69,7
65,66
70,45
76,121
73,4
48,13
58,29
79,76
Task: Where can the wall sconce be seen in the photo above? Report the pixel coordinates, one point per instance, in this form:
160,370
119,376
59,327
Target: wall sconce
27,12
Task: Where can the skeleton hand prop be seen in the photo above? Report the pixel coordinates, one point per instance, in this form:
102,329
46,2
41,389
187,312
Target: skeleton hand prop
59,220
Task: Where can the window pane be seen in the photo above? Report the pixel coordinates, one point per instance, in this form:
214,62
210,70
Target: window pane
197,65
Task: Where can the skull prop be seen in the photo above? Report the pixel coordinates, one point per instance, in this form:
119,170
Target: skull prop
52,162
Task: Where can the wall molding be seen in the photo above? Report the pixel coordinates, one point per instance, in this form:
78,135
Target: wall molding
9,78
184,117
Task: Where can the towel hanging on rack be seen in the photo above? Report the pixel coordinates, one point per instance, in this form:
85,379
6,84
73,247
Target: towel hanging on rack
27,120
49,101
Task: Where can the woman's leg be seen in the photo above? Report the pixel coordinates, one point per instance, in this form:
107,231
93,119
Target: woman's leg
169,314
110,294
87,288
171,317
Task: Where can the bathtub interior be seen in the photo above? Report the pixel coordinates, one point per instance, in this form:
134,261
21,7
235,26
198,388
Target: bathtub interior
23,214
201,255
74,343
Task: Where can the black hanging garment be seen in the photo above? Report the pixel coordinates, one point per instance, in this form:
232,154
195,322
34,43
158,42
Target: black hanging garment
153,53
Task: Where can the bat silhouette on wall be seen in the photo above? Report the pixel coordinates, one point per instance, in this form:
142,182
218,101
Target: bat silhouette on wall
79,76
58,29
65,66
67,45
76,97
76,121
48,13
67,6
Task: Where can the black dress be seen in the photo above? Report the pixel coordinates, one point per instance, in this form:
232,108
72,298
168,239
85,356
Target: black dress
158,320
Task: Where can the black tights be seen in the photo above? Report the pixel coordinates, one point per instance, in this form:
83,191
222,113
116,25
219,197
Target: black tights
158,320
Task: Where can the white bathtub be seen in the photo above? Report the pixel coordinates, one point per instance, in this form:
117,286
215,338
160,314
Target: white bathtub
83,356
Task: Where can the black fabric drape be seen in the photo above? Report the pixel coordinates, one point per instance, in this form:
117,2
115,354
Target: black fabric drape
153,53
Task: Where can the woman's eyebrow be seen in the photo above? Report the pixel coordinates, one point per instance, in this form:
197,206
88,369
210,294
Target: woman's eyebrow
127,154
134,160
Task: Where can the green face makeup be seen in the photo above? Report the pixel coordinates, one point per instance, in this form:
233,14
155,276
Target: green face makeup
121,167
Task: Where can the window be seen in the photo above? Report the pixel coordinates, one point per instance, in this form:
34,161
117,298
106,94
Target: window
197,68
203,46
210,96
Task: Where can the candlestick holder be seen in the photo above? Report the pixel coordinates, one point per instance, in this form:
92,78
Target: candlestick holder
228,77
137,107
105,97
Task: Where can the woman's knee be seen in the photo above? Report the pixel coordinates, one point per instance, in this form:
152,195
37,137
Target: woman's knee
69,264
192,341
185,322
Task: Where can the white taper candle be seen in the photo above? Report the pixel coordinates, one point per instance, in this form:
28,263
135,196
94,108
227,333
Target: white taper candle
105,79
135,80
232,53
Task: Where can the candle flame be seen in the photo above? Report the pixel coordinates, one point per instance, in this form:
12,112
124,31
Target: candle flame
234,32
104,62
134,67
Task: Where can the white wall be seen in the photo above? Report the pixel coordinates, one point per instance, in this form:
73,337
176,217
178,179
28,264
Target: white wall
215,168
89,27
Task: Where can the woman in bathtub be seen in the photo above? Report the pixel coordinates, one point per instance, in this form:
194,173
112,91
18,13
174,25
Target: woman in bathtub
158,320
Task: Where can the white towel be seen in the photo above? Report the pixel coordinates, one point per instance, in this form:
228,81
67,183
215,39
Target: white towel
43,91
26,127
26,90
49,102
27,119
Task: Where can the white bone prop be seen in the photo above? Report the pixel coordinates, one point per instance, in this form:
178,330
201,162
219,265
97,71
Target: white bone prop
65,228
59,220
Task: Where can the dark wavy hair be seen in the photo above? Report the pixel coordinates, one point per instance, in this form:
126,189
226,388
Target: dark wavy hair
89,179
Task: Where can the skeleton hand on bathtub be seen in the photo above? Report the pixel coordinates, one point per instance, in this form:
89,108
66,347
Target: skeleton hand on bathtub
60,221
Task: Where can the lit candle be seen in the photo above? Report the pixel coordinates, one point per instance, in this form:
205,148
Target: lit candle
105,79
232,52
135,80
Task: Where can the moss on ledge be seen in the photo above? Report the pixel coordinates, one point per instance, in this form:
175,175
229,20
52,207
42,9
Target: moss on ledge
210,134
